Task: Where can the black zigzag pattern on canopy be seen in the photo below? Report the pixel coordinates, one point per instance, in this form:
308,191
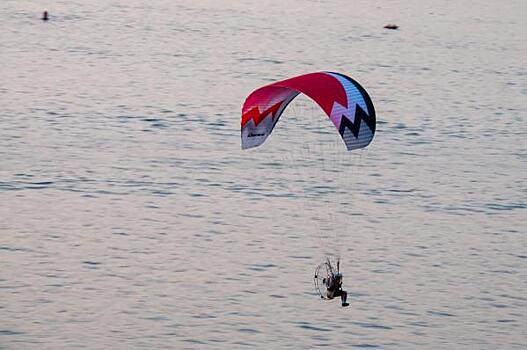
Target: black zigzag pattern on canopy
368,116
354,126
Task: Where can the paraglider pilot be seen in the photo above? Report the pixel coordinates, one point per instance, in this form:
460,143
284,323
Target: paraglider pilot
334,286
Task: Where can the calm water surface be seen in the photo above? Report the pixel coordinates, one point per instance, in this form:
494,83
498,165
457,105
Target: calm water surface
131,219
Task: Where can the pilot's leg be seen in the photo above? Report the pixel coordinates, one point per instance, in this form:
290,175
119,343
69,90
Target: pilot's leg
343,297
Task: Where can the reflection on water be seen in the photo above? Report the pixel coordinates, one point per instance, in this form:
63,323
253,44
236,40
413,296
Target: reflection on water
132,219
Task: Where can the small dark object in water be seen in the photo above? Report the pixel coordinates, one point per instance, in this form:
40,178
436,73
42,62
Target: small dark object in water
391,26
45,16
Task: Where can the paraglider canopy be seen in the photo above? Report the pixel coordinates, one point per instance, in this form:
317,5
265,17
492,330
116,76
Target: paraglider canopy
341,98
